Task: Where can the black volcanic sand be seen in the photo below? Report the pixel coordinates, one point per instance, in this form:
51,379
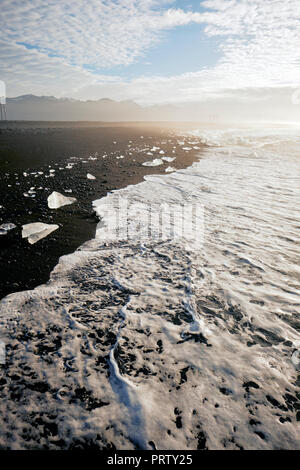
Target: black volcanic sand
36,148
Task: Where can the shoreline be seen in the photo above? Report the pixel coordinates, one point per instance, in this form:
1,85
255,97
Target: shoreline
26,266
105,354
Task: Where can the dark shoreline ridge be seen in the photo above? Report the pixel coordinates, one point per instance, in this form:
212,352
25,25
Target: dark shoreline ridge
31,148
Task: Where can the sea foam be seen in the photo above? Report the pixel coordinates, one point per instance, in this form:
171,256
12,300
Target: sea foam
170,342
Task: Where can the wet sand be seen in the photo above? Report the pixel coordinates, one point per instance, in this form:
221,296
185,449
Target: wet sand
27,149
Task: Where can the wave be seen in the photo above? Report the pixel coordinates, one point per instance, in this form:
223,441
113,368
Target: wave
175,340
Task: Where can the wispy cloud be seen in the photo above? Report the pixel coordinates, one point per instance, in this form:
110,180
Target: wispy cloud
51,46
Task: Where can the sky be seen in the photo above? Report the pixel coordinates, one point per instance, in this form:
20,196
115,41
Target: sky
150,51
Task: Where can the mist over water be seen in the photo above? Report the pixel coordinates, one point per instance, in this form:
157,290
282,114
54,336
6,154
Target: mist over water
173,343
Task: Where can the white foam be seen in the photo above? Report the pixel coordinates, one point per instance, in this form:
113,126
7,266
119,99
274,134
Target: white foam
164,340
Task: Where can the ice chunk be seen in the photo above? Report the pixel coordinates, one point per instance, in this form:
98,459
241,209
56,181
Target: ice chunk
4,228
168,159
2,353
36,231
170,169
8,226
57,200
90,177
155,162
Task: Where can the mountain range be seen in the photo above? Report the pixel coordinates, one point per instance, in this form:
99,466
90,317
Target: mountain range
243,105
49,108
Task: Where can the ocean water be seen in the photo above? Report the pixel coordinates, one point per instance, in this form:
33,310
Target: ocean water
183,340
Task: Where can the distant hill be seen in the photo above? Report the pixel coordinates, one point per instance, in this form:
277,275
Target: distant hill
242,105
49,108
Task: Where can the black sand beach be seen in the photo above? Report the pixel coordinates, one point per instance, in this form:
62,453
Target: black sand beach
28,151
164,344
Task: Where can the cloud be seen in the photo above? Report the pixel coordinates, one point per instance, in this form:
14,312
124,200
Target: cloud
29,71
98,32
56,47
260,40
